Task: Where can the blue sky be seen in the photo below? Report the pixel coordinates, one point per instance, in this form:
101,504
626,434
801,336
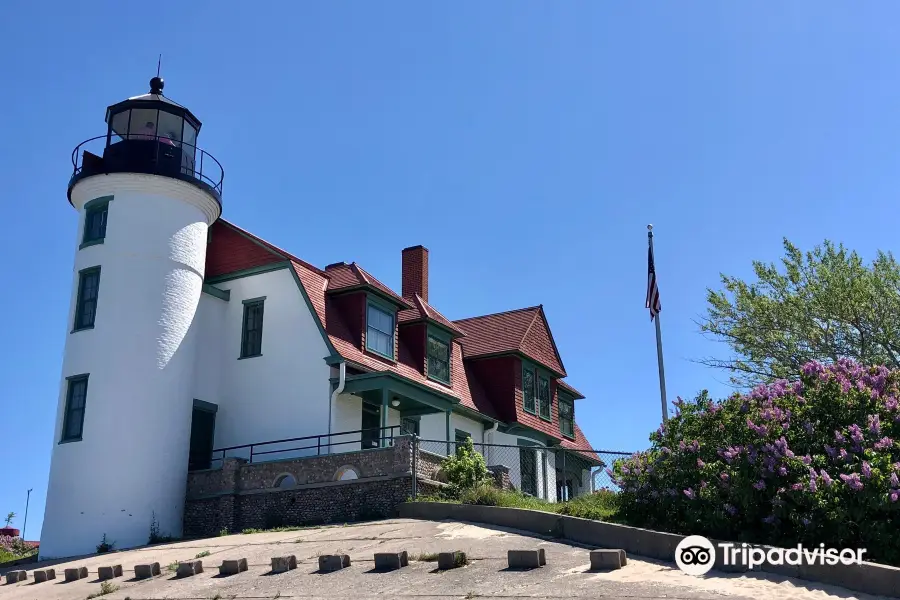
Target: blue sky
527,144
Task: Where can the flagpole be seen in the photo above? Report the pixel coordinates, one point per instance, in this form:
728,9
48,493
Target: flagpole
659,352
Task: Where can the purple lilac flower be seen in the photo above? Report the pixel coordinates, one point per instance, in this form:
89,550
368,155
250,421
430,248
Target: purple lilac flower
797,487
884,443
782,471
770,519
808,427
723,476
682,446
895,494
789,453
845,385
807,459
891,403
894,482
826,479
665,450
703,485
730,509
690,493
852,481
700,464
839,437
812,368
843,454
760,485
805,521
831,451
874,425
896,466
671,492
866,470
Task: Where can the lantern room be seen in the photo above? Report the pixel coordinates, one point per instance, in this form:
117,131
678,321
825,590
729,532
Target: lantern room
150,134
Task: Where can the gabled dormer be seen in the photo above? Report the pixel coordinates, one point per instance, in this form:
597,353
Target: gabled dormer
368,307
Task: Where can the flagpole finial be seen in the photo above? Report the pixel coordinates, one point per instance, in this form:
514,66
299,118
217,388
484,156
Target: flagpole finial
650,227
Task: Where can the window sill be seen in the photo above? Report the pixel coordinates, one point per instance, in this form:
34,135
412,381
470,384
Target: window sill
85,328
440,381
530,412
380,355
546,419
249,356
70,440
91,243
567,436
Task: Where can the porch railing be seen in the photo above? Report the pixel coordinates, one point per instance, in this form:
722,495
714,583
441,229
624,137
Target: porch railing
321,443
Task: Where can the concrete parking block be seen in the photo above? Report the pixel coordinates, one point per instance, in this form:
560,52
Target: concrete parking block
233,567
146,571
526,559
333,562
110,572
16,576
43,575
281,564
76,573
189,568
391,561
451,560
607,559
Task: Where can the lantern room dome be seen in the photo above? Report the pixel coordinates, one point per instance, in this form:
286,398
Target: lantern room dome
150,134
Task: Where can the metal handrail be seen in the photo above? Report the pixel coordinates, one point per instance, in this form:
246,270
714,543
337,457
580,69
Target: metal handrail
384,434
215,180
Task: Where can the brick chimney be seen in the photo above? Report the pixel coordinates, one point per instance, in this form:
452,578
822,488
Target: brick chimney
415,272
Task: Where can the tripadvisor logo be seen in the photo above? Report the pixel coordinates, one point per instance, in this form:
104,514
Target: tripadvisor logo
696,555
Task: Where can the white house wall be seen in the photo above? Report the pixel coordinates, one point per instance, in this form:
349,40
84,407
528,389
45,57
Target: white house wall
285,392
210,357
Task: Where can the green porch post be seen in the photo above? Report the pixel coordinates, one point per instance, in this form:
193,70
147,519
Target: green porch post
384,412
447,415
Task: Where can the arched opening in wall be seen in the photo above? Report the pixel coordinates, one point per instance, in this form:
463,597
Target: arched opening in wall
346,473
285,480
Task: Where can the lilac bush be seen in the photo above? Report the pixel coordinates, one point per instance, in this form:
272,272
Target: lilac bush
810,461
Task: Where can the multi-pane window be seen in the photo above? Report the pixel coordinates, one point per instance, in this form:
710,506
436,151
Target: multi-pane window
380,331
251,336
73,419
528,389
95,224
566,415
86,302
544,397
438,359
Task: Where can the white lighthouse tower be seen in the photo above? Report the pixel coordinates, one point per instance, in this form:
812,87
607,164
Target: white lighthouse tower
145,196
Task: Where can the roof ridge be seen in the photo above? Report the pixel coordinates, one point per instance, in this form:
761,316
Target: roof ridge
360,272
423,306
504,312
285,254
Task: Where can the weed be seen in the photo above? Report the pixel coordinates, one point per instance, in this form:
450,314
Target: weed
471,595
202,554
155,536
426,557
173,566
223,532
105,546
105,588
217,597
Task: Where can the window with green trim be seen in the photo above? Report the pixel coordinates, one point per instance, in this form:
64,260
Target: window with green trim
544,399
73,418
567,415
438,359
379,331
86,301
251,334
528,389
95,223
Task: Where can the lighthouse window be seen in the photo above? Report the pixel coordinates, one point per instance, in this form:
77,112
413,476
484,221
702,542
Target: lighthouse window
143,124
73,419
86,304
95,213
251,337
119,124
170,128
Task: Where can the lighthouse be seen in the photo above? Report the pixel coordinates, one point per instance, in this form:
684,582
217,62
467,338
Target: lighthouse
145,195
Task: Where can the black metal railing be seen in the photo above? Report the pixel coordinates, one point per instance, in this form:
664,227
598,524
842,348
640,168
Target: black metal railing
151,154
364,439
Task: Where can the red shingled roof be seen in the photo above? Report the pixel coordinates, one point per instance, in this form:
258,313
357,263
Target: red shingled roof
524,330
343,276
422,311
578,395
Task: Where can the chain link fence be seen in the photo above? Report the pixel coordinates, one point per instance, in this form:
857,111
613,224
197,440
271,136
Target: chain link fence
551,473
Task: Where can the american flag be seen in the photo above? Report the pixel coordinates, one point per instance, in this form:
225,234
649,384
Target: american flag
652,291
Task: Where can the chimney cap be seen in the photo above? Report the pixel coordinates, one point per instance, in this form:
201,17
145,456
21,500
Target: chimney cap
335,265
414,248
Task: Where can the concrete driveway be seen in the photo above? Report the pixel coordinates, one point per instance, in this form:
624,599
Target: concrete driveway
566,574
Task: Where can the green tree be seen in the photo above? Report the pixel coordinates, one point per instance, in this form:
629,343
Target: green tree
9,518
820,305
466,469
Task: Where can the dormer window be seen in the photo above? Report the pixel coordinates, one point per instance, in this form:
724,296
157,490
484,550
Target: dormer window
379,330
567,415
438,354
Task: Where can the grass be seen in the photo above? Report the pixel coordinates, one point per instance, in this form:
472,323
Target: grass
6,556
426,557
173,566
105,588
599,506
202,554
250,530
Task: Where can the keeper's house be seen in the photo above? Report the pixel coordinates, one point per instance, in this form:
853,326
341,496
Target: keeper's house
187,334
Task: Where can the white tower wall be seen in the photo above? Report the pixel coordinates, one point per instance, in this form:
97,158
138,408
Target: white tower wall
132,459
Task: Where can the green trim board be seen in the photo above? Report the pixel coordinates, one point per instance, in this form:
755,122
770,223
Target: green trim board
396,383
207,406
78,324
96,242
368,288
216,292
96,202
334,356
276,266
253,300
96,216
252,327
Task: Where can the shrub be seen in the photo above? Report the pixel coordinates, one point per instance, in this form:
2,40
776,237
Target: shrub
483,495
602,505
105,546
155,536
811,461
465,469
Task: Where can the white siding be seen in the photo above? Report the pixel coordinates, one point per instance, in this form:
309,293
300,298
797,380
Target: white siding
285,392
